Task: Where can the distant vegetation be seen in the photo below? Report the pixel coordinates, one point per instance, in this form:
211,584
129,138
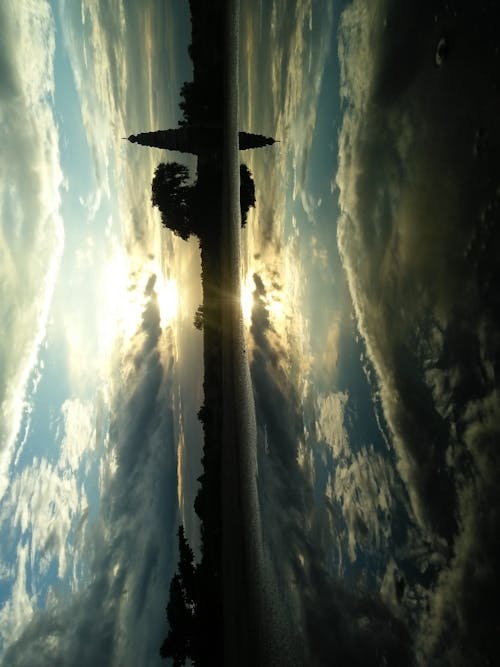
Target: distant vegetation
194,625
194,610
198,318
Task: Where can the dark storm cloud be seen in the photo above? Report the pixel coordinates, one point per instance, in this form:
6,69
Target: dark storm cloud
334,624
112,621
418,191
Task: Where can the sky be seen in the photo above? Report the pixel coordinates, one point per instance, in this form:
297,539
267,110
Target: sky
368,292
97,348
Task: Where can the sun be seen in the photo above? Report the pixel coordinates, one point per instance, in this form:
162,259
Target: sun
125,296
122,302
167,294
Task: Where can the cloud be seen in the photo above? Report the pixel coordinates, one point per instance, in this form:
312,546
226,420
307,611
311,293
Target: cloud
463,603
19,608
121,560
118,53
330,422
297,66
39,510
419,207
300,521
128,559
326,358
286,63
31,234
110,48
363,485
79,436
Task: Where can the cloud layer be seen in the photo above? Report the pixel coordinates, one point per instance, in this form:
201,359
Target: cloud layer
126,551
311,515
31,232
419,211
91,515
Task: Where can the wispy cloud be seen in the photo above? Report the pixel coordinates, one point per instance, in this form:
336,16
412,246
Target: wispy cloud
31,235
19,608
102,539
79,433
286,51
363,485
38,511
330,422
127,558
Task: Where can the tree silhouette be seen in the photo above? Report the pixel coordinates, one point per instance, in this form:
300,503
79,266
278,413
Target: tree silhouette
173,197
247,192
187,570
183,206
183,638
198,318
179,616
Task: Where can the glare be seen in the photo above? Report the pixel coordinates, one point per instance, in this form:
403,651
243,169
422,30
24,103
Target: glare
168,300
276,309
123,301
247,290
126,295
272,300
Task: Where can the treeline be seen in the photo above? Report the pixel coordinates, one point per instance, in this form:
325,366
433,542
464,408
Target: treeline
187,209
202,98
193,625
194,610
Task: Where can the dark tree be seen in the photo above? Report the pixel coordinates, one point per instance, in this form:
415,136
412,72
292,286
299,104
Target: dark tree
183,640
198,318
247,192
193,104
187,570
171,194
179,616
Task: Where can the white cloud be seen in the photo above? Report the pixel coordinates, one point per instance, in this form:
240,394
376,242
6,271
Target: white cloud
283,85
31,235
361,483
126,559
330,422
42,502
364,488
17,611
126,556
118,92
79,433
